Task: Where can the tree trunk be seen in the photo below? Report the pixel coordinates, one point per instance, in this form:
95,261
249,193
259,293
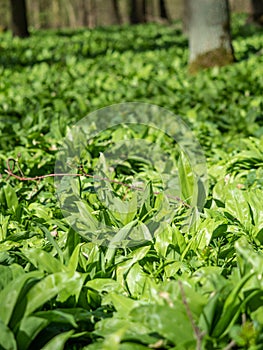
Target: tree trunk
19,18
91,13
209,34
186,13
137,11
116,12
55,14
163,10
256,12
84,12
45,18
33,9
150,9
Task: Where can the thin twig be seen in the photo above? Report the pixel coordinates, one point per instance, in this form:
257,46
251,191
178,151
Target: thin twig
230,345
198,334
10,171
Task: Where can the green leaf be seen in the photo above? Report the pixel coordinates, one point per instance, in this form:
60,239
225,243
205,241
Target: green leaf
52,241
7,339
43,260
249,257
258,316
210,313
74,259
147,201
11,293
4,220
68,282
186,178
122,234
29,328
112,342
85,215
172,323
134,330
124,211
238,207
9,273
104,285
164,237
121,303
231,308
40,211
58,342
254,199
135,256
58,316
10,197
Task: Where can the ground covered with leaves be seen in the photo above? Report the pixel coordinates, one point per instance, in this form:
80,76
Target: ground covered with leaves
186,287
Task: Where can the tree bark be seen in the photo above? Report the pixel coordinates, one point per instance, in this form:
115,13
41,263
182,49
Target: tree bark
19,18
137,11
186,13
91,13
33,9
55,14
116,12
256,12
45,18
163,10
84,13
209,34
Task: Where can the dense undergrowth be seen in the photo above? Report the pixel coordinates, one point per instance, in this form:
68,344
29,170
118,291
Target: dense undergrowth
200,288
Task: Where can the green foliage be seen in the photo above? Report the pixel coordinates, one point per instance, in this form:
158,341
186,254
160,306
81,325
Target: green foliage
180,287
